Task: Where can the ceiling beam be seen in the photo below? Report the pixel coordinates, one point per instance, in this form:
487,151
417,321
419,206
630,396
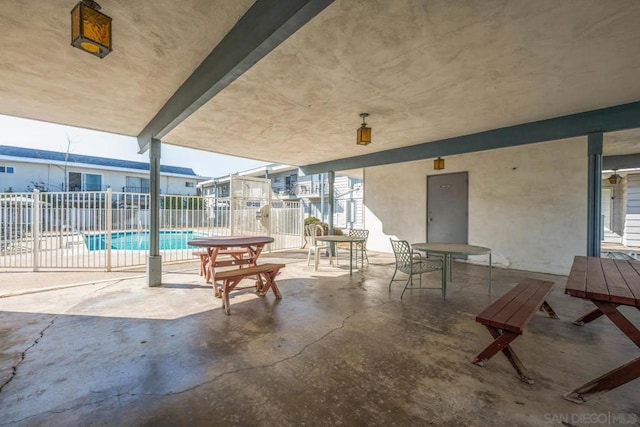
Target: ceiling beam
627,161
265,25
620,117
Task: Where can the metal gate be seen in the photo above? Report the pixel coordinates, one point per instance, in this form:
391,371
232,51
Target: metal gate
254,210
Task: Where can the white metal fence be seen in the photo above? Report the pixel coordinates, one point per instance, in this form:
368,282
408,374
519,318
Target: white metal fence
110,230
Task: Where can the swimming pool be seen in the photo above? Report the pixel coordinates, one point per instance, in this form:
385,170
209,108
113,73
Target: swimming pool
139,240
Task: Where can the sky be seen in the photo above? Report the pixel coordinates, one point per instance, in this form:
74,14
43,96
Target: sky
27,133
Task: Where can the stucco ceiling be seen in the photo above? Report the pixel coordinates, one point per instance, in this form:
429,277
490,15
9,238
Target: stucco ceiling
424,70
622,143
157,44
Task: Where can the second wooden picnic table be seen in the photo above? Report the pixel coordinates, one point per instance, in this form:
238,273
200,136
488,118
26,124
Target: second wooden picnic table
245,251
608,283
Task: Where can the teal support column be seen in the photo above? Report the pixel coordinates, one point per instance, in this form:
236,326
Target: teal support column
330,202
154,263
321,188
594,200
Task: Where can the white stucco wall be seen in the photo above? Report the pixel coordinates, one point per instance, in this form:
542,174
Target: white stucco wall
12,181
617,205
528,203
632,213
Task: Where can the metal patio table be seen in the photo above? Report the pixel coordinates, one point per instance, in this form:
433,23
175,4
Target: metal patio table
448,250
345,239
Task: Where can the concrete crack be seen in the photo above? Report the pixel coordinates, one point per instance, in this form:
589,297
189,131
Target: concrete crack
109,284
71,408
61,287
216,378
23,355
130,392
270,365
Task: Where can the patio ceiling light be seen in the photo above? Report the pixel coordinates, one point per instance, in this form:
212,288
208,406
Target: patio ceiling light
364,133
90,29
438,164
615,178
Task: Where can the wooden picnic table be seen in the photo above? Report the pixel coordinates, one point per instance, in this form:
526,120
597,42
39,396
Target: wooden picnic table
608,283
250,245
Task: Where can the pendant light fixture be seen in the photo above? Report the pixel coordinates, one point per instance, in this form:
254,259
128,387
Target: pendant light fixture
615,178
364,132
90,29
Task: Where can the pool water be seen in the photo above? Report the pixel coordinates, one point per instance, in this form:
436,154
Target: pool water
139,240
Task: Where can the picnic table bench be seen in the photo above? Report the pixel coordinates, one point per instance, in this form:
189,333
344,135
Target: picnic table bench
506,318
264,274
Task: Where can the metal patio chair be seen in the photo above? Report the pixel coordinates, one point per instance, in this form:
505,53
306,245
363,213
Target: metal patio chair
413,264
362,247
357,232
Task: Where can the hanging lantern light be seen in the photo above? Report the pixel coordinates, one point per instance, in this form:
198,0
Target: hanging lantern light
90,29
438,164
364,132
615,178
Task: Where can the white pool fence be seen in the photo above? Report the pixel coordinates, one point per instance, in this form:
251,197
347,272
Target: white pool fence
109,230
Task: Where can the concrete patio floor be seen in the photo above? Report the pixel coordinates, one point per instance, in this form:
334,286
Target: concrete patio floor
336,350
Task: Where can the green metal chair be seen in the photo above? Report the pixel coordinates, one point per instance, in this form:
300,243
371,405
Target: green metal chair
413,264
362,247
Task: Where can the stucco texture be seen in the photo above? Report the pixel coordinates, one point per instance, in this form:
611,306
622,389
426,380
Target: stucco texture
528,203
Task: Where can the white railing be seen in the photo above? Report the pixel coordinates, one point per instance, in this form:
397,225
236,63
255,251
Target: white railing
107,230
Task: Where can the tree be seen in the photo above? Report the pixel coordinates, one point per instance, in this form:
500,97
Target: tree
65,187
39,184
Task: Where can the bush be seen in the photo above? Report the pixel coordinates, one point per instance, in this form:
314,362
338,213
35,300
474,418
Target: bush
313,220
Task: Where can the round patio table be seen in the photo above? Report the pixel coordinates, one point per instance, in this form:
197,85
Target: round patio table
345,239
447,250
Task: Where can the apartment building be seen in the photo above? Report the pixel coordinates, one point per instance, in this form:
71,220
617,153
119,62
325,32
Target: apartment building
290,183
27,169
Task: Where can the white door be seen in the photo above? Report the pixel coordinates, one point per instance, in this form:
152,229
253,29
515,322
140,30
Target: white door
606,208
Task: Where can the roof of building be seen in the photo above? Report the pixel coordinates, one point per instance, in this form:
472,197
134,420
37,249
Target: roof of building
32,153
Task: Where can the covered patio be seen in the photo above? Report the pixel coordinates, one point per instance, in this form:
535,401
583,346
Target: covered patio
530,100
334,351
527,99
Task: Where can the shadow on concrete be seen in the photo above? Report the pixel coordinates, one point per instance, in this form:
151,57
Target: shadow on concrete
336,350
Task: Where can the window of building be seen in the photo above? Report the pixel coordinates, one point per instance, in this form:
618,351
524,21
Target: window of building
136,184
75,181
6,169
79,181
189,184
92,182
